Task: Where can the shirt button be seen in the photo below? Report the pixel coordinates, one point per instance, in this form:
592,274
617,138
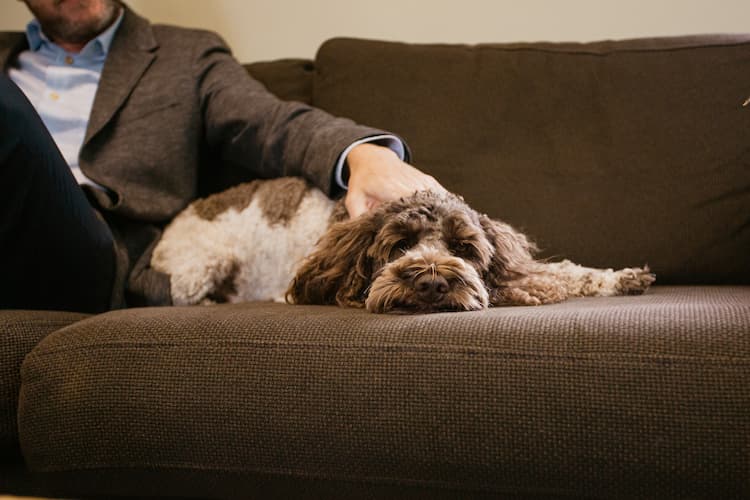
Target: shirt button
54,96
68,60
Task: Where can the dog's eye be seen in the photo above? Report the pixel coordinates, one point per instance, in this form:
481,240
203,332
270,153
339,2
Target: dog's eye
463,249
401,246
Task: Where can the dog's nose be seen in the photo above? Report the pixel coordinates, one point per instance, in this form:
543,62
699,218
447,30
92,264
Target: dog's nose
430,287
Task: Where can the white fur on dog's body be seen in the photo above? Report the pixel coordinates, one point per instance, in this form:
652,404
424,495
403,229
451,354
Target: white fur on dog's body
199,254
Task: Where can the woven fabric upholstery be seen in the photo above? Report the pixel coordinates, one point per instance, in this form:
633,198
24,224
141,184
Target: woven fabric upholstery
20,331
290,79
608,397
610,154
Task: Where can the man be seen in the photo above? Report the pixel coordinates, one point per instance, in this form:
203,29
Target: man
138,115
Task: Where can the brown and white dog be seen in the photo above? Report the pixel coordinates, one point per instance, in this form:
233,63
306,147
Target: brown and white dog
425,253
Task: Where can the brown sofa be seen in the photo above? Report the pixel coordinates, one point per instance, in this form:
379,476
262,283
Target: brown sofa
611,154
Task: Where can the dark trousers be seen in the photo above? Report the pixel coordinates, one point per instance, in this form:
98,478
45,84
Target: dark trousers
55,251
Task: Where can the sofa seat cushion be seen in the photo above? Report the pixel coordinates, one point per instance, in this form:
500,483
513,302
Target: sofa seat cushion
20,331
611,154
642,396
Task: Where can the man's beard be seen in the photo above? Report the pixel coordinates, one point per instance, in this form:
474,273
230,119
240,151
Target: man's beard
67,30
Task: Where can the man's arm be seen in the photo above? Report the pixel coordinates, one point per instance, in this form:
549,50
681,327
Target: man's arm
251,127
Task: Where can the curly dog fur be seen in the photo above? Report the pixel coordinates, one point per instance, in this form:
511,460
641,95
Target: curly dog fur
424,253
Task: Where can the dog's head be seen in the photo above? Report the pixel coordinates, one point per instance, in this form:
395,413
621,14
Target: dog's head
425,253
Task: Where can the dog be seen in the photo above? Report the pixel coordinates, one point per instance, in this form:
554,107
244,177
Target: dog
430,252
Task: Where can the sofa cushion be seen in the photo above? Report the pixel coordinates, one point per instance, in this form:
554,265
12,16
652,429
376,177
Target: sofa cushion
611,154
642,396
20,331
289,79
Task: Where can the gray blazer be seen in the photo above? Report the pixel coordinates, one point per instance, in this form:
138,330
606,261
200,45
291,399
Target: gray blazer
174,111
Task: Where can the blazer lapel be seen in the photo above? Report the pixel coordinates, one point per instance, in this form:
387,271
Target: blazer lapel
132,52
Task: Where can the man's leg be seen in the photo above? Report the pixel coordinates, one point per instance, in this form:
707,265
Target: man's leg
55,252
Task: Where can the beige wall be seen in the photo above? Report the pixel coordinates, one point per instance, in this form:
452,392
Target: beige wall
270,29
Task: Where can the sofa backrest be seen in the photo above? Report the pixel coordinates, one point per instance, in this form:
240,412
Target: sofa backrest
289,79
611,154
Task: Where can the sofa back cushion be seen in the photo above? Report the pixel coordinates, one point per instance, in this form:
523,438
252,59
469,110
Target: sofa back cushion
289,79
611,154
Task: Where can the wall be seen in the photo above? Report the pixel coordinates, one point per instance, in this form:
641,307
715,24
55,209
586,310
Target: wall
295,28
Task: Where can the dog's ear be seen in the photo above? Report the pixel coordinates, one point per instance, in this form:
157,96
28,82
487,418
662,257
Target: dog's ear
513,253
339,270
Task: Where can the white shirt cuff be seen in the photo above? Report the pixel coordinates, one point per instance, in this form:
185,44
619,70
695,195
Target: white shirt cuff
389,141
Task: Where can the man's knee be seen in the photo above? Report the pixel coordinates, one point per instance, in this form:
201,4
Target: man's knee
19,122
10,115
13,103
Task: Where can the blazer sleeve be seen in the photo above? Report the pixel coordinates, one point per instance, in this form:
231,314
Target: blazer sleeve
253,129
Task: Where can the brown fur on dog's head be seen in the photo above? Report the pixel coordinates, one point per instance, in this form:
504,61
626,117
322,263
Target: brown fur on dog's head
424,253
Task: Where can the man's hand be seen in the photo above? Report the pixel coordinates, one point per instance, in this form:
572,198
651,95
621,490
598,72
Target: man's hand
377,175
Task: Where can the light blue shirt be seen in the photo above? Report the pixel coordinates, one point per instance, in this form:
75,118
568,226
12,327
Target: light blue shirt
62,87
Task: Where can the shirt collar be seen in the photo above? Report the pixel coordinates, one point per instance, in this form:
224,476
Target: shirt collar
99,46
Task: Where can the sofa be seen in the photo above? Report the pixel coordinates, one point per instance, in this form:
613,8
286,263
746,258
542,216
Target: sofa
611,154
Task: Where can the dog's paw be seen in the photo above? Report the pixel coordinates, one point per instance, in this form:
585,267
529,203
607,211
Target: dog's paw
635,281
512,296
188,292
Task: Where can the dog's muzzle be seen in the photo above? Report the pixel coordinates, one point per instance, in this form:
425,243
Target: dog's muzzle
427,279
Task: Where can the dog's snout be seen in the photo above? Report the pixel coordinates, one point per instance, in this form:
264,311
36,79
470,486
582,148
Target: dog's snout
431,287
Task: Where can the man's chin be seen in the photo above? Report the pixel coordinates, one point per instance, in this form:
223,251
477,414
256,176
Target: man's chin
77,22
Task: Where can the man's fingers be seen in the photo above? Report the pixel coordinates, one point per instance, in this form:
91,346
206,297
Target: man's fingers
355,204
